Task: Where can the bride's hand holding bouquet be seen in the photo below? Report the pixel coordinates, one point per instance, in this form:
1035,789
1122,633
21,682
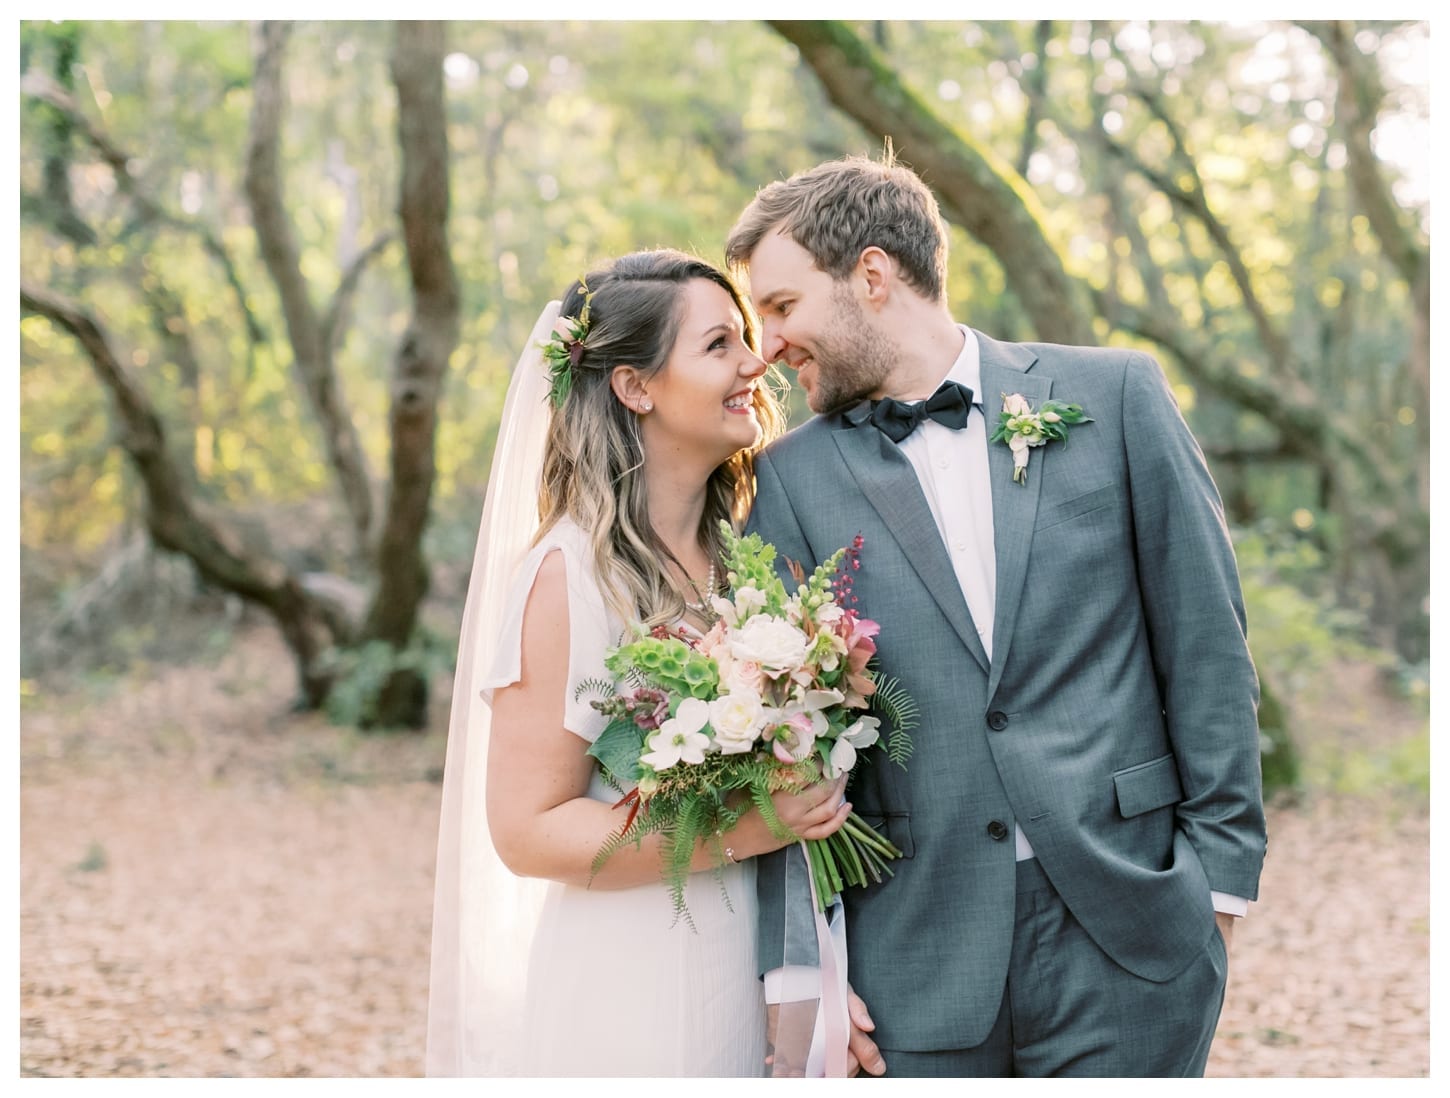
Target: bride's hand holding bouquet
766,709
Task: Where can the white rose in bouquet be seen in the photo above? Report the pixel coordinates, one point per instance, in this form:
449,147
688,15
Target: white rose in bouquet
777,646
737,719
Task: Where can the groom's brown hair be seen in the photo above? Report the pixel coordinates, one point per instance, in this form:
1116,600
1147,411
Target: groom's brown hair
838,209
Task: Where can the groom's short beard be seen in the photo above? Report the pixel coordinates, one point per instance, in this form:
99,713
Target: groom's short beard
853,360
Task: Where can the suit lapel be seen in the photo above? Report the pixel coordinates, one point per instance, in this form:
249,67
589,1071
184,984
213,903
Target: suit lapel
889,483
1014,506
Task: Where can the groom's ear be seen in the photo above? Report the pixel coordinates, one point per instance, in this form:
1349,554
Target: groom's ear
876,276
628,385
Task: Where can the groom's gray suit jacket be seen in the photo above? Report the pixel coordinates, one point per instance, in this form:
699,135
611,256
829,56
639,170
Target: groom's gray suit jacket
1115,724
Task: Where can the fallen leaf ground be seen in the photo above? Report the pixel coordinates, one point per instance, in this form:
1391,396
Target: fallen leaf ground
211,886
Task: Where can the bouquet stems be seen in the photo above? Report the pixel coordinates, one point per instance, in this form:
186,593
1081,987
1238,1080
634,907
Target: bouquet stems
855,855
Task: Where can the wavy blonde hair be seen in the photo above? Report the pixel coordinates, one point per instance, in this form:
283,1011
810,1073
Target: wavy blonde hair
594,459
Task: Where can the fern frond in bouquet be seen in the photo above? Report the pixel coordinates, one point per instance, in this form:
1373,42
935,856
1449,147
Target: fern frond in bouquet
774,696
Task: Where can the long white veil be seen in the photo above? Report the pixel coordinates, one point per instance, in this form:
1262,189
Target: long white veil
483,916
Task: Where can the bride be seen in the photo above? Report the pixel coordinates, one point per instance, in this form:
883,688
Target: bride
622,446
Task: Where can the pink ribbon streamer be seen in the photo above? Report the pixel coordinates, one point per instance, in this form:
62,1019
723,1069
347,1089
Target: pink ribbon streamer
835,1021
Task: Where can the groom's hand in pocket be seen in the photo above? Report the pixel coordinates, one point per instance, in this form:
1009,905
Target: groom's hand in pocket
861,1053
1225,928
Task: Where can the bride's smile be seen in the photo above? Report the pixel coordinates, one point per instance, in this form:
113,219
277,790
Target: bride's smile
703,400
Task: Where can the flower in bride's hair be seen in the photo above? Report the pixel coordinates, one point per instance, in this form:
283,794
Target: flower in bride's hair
564,349
680,738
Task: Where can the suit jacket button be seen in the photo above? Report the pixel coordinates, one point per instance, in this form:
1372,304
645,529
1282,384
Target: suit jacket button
997,830
996,720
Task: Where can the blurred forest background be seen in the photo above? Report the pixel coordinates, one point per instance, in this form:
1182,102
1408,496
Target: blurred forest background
273,278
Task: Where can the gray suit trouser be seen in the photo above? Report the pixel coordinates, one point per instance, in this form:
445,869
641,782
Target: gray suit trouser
1069,1010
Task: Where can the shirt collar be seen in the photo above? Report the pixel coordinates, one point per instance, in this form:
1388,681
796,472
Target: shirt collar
967,369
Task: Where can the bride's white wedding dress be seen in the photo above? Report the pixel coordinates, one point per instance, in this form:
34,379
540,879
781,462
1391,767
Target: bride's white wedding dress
568,981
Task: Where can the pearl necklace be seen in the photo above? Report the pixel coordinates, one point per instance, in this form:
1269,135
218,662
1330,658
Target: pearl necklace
711,580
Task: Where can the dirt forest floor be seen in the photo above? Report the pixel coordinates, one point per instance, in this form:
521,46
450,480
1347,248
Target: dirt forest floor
211,886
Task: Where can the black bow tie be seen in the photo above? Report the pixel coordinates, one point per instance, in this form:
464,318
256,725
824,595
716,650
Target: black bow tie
949,406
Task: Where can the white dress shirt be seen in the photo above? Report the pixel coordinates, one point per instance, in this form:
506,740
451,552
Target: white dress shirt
952,468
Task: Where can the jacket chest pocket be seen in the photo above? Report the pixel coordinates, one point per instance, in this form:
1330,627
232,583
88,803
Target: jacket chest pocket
1079,505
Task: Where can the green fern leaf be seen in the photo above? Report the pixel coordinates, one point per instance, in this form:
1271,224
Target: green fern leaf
599,685
900,712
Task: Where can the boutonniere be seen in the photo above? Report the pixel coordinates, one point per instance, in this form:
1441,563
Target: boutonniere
1021,428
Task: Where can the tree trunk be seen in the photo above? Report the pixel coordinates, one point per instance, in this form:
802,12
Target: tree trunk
177,520
311,349
1406,575
420,362
60,125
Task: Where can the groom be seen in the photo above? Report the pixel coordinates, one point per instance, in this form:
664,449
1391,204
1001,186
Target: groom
1081,819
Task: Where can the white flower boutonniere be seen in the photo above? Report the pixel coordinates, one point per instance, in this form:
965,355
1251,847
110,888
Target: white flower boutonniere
1021,428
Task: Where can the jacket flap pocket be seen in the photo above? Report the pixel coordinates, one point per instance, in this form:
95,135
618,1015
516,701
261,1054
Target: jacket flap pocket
1095,500
1147,786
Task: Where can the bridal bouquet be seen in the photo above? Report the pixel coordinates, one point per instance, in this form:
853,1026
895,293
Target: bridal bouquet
772,697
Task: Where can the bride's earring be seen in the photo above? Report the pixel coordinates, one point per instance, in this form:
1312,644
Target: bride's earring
646,405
